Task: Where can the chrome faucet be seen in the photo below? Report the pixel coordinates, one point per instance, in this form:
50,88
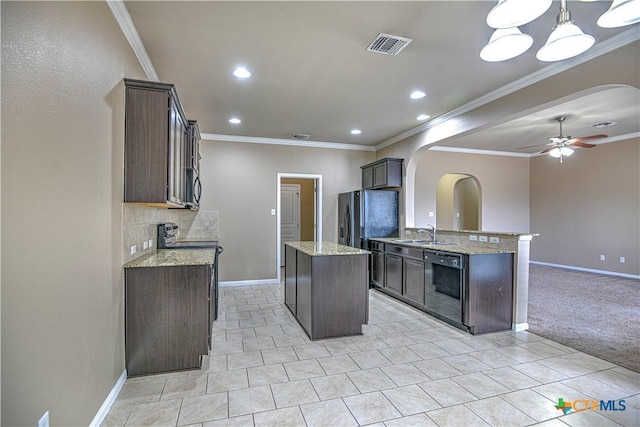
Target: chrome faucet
431,233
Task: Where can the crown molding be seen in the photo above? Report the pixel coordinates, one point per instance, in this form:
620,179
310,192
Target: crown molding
121,14
612,43
478,151
276,141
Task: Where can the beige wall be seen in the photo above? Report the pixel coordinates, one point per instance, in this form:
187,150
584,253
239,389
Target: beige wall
587,206
62,171
240,181
505,202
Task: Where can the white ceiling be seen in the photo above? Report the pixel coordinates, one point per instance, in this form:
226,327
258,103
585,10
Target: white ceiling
313,75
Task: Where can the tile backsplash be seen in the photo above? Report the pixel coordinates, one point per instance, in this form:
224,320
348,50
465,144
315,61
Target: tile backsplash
140,225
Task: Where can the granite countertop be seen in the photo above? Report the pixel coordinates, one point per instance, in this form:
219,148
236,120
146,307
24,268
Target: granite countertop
325,248
174,257
455,248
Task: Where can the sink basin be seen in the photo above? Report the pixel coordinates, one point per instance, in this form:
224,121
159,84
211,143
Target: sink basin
424,242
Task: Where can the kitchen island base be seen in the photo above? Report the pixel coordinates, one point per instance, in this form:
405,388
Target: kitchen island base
327,288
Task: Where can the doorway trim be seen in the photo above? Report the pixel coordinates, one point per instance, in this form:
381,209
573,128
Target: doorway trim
317,212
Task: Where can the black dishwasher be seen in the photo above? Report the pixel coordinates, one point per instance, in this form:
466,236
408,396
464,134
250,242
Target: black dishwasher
444,286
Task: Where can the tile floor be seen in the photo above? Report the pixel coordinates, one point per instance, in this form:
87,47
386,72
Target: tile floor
407,369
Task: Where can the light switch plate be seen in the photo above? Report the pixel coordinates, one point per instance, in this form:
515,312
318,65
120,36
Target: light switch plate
133,249
473,238
44,420
483,238
273,211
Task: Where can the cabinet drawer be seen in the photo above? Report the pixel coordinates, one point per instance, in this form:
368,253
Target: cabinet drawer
404,251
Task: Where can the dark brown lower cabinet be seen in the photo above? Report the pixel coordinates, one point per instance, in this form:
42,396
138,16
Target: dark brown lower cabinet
328,295
413,278
393,272
166,316
489,292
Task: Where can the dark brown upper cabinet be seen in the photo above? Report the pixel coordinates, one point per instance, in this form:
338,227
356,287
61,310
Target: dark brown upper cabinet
156,138
385,173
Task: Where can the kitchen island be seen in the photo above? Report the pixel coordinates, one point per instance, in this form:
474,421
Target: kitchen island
327,288
169,297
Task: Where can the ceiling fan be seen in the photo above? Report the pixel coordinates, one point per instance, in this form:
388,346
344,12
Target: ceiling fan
562,145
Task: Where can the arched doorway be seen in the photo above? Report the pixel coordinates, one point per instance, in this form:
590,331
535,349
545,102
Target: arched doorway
458,202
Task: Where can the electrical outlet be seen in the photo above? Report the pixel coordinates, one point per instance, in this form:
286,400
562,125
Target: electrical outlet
473,238
601,257
407,233
150,243
494,240
483,238
622,260
44,421
145,244
134,249
430,214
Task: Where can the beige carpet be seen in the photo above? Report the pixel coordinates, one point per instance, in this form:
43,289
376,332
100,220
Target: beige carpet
593,313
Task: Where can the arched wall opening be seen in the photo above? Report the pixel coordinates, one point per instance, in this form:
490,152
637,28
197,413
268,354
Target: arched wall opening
458,202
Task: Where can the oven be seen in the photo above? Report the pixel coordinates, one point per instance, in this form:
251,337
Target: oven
444,286
168,239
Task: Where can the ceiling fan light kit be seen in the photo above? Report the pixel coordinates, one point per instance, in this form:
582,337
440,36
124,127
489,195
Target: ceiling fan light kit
506,43
565,41
560,152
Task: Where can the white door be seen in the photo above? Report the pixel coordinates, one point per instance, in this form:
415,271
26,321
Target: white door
289,215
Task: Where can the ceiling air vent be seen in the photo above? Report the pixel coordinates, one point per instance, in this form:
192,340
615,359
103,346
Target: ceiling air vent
387,44
300,136
604,124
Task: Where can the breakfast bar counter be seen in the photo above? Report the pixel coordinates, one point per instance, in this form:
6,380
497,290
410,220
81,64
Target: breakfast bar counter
327,288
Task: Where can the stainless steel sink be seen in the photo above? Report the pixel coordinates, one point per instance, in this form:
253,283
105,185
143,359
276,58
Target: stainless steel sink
424,242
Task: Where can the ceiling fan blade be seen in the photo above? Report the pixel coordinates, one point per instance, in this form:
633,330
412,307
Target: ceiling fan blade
546,150
586,138
531,146
581,144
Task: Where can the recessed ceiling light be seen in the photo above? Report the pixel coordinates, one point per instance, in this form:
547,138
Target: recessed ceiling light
417,94
242,73
423,117
356,131
235,121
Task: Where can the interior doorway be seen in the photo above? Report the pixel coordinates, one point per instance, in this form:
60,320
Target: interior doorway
290,199
458,202
309,208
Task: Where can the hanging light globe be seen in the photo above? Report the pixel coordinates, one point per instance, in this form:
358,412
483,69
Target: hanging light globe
506,43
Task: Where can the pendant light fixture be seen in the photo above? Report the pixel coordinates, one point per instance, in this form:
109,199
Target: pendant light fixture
566,40
514,13
621,13
506,43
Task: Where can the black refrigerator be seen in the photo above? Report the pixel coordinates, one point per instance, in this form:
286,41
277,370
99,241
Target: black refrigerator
365,214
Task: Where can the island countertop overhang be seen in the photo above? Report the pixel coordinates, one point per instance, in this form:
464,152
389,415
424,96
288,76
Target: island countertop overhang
325,248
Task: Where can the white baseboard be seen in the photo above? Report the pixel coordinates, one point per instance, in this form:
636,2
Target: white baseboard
587,270
249,282
108,402
519,327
